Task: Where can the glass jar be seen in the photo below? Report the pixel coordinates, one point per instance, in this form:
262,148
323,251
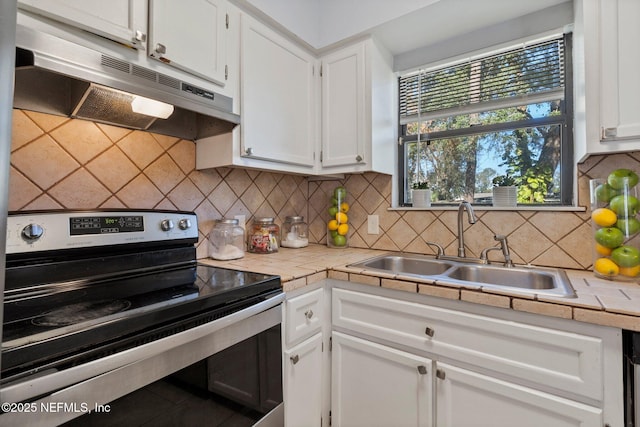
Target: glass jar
264,236
338,219
226,240
614,218
294,232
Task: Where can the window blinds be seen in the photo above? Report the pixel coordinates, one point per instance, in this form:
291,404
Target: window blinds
521,76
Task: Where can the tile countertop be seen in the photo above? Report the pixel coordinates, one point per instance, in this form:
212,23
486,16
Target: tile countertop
599,301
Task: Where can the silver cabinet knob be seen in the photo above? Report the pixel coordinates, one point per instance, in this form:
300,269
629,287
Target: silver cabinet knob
184,224
429,331
161,49
358,158
32,232
308,314
294,359
422,370
440,374
167,225
140,37
249,151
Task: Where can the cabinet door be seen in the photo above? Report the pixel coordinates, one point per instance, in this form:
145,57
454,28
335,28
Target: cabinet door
620,61
124,21
375,385
465,398
303,383
189,35
278,97
343,107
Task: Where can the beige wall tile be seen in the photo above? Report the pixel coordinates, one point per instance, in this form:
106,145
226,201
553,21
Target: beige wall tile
80,189
486,299
85,148
44,162
25,130
113,168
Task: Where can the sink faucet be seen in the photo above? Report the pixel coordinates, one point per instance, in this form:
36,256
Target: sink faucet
504,247
472,220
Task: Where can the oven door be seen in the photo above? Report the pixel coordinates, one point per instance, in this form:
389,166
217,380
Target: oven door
49,399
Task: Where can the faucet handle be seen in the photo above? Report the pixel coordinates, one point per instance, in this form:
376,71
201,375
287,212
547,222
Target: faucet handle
504,245
438,247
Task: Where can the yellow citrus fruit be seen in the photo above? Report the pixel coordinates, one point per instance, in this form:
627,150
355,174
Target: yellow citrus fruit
603,250
604,217
344,207
332,225
630,271
342,218
343,229
606,267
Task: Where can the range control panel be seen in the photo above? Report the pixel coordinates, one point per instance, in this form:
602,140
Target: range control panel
45,231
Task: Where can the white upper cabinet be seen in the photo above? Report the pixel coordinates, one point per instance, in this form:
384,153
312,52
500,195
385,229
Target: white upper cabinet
190,35
124,21
359,110
277,97
606,84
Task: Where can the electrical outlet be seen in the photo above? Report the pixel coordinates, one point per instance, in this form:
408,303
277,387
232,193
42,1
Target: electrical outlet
373,224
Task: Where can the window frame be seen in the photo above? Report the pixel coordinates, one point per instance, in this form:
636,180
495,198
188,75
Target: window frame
567,166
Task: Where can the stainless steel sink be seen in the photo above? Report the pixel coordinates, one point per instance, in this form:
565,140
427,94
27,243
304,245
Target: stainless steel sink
419,265
530,280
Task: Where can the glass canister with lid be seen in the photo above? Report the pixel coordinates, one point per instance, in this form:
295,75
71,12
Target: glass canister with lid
294,232
226,240
263,236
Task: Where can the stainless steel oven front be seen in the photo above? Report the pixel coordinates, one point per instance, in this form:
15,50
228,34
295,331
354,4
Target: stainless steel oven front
102,307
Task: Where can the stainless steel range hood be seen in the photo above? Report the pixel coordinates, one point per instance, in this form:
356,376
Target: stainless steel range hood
60,77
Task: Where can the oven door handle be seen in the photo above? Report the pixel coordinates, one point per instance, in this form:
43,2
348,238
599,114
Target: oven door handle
39,384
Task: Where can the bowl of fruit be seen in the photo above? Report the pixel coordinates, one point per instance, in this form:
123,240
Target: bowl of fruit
616,227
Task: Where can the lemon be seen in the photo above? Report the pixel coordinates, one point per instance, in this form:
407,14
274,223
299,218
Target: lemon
603,250
332,225
342,218
606,267
604,217
344,207
343,229
630,271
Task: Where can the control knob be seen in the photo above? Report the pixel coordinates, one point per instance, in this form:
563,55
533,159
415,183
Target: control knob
184,224
166,225
32,232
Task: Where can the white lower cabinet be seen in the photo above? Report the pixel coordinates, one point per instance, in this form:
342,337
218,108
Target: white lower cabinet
375,385
305,368
465,398
302,388
411,360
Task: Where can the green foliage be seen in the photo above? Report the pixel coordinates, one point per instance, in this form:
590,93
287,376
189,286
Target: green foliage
420,185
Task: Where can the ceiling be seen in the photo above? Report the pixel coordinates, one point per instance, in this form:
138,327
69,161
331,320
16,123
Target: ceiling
401,25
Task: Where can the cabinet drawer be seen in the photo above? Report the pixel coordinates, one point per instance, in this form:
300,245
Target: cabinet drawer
304,315
556,359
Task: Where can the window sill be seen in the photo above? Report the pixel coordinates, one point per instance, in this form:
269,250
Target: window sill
493,208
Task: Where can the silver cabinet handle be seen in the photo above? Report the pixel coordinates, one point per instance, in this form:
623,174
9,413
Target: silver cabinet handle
294,359
429,331
422,370
358,158
440,374
161,49
249,151
308,314
140,36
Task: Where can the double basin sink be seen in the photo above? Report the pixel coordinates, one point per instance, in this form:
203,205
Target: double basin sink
529,280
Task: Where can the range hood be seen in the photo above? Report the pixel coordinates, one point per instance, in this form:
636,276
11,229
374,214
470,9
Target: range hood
59,77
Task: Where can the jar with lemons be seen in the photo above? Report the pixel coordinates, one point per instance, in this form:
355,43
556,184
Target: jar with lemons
616,227
338,219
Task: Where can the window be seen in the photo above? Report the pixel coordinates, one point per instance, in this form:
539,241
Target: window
465,126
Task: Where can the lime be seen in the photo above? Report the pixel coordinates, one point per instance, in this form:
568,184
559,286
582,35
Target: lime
339,240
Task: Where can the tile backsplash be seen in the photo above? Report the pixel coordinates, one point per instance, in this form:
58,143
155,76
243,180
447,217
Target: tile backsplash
61,163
